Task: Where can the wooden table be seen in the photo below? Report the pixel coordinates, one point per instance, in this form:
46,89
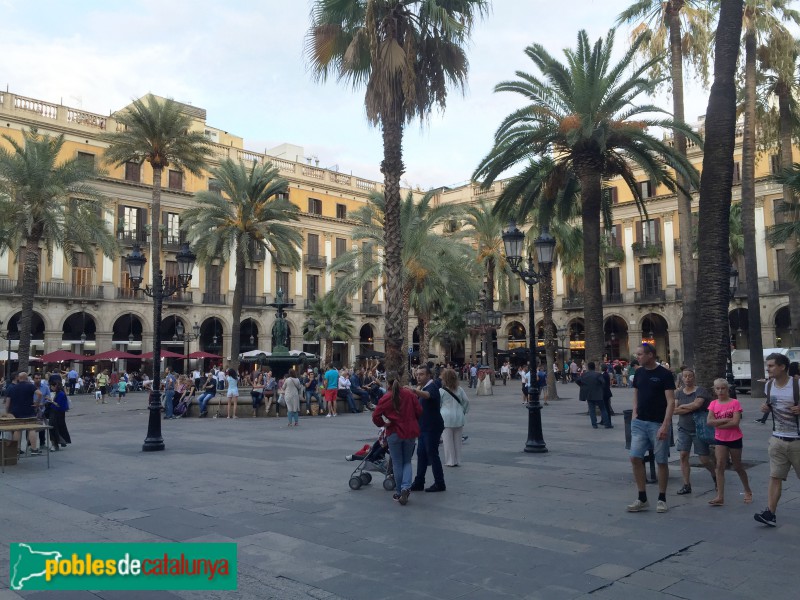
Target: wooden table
23,425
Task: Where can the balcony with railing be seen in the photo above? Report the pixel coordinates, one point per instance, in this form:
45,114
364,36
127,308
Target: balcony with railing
573,302
650,297
254,301
128,293
181,297
60,289
648,249
10,287
315,261
614,254
129,238
614,299
214,298
368,308
173,242
512,307
54,289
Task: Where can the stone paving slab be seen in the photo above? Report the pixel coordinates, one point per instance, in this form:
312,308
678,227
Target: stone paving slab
511,525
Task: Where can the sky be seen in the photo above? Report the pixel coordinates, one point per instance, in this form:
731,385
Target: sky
243,62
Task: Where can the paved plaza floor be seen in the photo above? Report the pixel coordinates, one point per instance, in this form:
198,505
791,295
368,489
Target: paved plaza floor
510,525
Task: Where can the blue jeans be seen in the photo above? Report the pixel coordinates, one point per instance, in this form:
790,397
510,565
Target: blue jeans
294,416
473,381
401,452
428,454
603,413
202,401
169,395
309,396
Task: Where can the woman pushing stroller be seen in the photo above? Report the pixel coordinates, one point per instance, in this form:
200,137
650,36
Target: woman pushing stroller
398,411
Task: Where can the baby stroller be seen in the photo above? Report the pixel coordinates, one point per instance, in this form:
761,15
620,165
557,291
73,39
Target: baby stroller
378,458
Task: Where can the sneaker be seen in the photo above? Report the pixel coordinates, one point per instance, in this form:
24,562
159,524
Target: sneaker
404,497
686,489
638,506
329,415
661,506
348,457
767,518
396,497
36,452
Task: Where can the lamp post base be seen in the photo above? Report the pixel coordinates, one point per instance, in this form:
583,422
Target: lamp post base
535,443
154,442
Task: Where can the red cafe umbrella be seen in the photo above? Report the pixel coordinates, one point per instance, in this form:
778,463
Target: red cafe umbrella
201,354
61,356
164,354
114,355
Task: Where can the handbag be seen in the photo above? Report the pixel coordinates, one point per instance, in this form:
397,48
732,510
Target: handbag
703,430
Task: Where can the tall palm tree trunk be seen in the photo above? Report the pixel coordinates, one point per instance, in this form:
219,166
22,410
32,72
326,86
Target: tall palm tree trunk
715,197
546,298
488,342
749,207
328,351
592,296
30,282
406,309
688,275
236,308
783,91
392,168
157,276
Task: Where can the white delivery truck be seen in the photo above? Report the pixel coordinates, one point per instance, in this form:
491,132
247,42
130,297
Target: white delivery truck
741,364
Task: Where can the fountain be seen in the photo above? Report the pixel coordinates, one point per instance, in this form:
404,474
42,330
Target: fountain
281,359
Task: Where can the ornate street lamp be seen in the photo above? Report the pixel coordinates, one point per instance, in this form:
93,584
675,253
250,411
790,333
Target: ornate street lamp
159,291
513,240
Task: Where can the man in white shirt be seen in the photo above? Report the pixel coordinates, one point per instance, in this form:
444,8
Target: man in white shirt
505,371
784,446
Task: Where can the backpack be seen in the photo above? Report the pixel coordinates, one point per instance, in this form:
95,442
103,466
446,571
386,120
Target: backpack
795,393
180,408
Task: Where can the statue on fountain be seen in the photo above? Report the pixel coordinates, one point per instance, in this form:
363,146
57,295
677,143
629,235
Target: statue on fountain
280,328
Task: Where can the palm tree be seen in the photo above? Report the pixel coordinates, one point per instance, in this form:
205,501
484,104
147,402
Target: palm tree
448,325
405,53
715,198
684,27
761,19
328,319
485,229
157,131
429,259
249,214
582,114
47,204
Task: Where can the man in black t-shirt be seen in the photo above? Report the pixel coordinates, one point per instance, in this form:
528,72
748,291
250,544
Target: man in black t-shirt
20,402
653,405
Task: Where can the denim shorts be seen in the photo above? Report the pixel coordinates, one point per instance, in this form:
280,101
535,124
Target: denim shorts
686,439
644,436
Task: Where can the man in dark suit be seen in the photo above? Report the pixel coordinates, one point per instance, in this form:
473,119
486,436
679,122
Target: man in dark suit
592,390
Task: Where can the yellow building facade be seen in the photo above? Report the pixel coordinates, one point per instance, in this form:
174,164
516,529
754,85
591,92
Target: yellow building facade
77,301
642,292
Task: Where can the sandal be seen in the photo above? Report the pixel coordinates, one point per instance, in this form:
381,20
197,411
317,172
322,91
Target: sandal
686,489
748,497
716,502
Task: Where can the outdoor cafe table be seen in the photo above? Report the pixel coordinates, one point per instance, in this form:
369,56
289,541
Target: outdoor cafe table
23,425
